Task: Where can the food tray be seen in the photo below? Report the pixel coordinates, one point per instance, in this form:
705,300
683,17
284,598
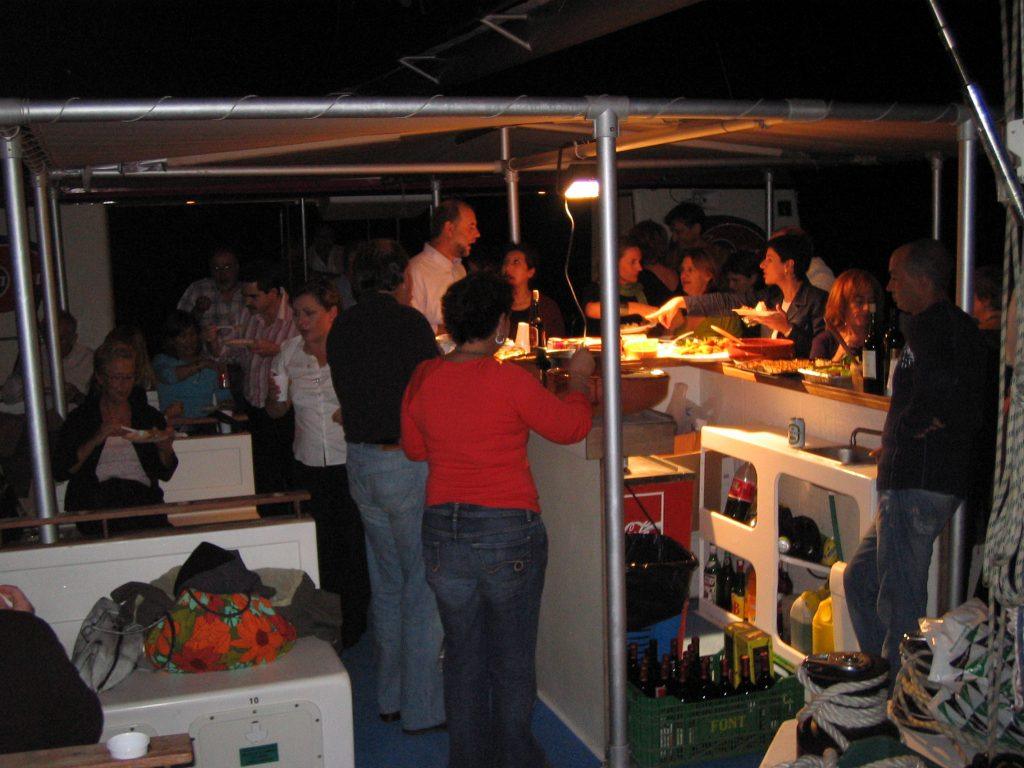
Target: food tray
668,732
827,376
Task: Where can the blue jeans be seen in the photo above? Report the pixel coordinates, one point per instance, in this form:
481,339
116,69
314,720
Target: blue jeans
389,490
486,567
887,580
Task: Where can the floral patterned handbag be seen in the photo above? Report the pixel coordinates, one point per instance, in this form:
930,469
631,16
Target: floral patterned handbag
209,632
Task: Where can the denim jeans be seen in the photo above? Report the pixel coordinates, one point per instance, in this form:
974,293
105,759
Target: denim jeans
887,580
486,567
389,490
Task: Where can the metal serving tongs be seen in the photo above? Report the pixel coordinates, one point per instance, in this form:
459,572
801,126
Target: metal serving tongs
726,334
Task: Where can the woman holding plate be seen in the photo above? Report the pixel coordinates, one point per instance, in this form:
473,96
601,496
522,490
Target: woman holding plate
792,309
114,448
633,301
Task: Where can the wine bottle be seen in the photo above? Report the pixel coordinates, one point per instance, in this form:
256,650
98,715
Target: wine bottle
764,679
645,681
739,505
893,342
538,336
661,688
725,677
739,590
708,689
633,664
724,584
711,571
745,687
872,356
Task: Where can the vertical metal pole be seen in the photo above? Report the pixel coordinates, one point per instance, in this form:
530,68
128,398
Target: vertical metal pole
936,163
305,251
769,202
435,195
58,251
511,185
49,277
606,129
967,189
28,339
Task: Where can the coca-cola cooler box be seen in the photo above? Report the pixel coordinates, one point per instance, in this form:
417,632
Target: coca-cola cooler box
663,487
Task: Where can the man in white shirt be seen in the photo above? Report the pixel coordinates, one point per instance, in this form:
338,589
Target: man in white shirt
77,360
452,233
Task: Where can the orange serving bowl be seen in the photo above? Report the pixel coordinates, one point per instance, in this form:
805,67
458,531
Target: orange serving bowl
641,389
757,349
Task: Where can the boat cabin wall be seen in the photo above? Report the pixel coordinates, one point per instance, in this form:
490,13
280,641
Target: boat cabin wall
87,264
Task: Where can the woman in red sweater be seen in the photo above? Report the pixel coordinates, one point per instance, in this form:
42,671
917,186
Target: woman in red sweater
485,548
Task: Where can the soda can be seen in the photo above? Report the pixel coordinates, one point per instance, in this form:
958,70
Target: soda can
797,432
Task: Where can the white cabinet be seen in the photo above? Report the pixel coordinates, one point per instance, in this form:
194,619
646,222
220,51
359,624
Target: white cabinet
766,448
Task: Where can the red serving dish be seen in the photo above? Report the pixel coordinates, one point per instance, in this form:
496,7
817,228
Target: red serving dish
759,349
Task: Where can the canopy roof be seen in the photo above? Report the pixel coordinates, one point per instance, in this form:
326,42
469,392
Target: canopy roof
128,147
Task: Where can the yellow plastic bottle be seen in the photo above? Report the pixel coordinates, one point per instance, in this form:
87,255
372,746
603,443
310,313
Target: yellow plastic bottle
822,634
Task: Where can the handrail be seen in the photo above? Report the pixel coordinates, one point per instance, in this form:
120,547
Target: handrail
176,507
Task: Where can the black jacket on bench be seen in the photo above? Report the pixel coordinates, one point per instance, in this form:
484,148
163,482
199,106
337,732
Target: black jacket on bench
85,492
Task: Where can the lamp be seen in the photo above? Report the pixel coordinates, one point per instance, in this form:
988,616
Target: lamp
581,182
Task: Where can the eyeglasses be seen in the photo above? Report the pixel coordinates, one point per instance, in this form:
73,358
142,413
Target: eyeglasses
225,267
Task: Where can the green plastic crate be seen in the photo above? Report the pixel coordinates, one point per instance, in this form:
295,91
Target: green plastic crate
668,732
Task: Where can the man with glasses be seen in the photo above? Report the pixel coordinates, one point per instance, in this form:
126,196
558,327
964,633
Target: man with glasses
217,301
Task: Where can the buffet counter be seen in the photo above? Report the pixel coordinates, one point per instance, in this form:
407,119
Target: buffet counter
572,678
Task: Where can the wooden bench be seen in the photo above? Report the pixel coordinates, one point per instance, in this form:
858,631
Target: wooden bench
184,511
164,752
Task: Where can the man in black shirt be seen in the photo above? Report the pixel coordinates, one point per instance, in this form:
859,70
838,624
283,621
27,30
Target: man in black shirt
924,470
373,349
45,704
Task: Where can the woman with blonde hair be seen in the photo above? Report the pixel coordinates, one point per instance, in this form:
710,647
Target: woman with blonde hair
847,315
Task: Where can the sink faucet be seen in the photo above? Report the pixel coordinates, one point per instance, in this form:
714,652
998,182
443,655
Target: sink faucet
862,431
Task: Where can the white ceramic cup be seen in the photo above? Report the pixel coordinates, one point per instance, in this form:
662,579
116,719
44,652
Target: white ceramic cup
523,336
281,380
127,746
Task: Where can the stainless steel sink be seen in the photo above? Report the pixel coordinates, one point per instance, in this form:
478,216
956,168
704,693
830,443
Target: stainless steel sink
844,454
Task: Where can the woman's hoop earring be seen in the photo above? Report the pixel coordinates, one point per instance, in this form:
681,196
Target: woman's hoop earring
499,339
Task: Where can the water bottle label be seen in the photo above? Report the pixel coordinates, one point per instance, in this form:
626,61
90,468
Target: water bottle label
869,364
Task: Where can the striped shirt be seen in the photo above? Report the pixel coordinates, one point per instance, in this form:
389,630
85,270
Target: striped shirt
257,367
224,313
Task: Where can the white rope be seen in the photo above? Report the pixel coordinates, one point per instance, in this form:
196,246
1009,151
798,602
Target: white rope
845,705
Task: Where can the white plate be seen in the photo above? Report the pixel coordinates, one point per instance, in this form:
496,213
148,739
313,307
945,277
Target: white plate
754,313
143,435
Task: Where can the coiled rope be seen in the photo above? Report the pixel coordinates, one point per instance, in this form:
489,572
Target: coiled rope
845,705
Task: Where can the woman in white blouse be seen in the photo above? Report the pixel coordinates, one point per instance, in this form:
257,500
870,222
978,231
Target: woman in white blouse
301,378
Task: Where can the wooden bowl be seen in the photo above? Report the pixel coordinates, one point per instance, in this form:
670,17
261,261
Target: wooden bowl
640,389
760,349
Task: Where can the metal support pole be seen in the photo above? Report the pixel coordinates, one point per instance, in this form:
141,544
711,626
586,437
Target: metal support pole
967,188
28,338
435,195
936,163
769,202
966,194
511,185
606,129
50,302
58,251
305,246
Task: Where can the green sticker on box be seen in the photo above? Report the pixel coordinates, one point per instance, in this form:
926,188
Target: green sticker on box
266,753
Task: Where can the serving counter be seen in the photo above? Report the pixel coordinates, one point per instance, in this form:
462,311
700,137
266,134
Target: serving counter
572,677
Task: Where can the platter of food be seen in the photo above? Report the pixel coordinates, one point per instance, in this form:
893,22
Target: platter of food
767,367
706,350
827,372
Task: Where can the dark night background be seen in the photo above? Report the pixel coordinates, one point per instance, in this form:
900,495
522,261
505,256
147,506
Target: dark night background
849,51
